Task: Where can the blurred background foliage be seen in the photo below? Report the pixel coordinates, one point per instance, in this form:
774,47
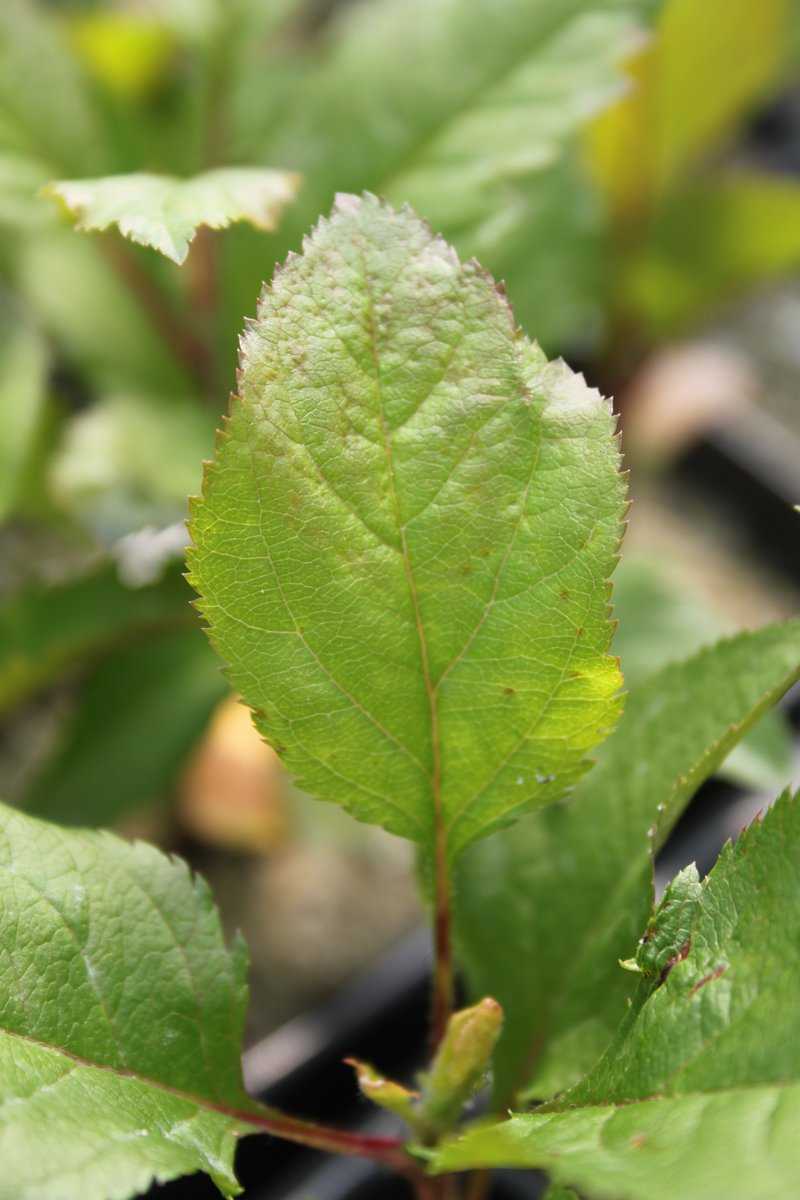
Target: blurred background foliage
627,167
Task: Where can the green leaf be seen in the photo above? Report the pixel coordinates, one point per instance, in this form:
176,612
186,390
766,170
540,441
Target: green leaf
121,1017
545,912
21,179
23,399
55,123
165,213
495,101
557,223
403,545
47,631
157,692
701,1084
660,620
519,122
87,309
104,472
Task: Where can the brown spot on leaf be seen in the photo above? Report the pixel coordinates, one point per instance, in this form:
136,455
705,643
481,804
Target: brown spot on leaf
676,958
709,978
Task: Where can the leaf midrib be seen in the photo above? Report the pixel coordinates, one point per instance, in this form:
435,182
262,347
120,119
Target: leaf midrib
201,1102
430,690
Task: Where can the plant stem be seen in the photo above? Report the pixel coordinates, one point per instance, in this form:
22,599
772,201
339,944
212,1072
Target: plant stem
188,349
388,1151
442,1006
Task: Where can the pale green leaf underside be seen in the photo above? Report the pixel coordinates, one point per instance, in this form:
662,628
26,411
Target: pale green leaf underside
571,887
165,212
701,1083
403,544
121,1015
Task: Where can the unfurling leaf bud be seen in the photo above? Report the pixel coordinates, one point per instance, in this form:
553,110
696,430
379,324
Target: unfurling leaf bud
384,1092
461,1064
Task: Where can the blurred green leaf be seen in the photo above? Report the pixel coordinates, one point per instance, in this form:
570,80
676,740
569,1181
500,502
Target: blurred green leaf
701,1082
46,632
546,910
24,362
106,474
545,241
86,308
21,179
165,212
138,715
660,620
496,96
197,21
710,242
46,112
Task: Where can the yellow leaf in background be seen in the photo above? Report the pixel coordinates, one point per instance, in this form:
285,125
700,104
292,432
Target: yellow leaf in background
617,141
126,53
231,793
716,60
710,242
708,65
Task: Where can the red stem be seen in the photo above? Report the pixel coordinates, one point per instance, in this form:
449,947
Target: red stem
388,1151
443,947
